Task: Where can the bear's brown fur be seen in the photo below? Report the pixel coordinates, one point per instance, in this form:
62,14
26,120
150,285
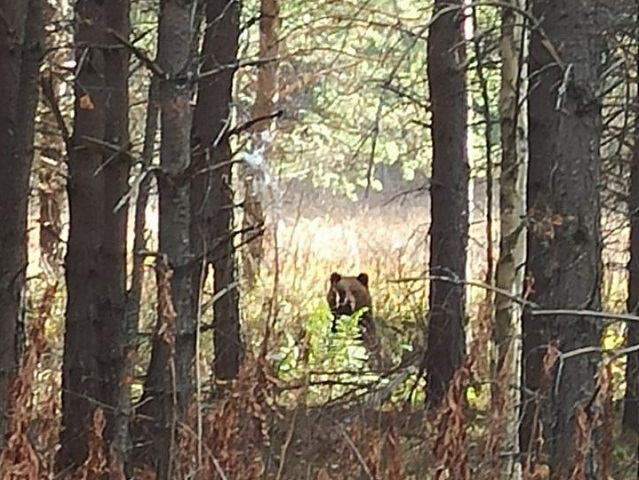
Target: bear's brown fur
347,295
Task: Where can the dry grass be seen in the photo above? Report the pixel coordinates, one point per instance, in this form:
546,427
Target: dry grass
310,422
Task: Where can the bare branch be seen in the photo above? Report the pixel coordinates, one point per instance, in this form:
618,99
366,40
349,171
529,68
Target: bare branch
139,54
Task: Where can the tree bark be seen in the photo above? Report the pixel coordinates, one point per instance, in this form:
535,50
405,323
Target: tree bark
176,33
266,88
168,388
449,199
512,241
21,50
80,373
212,201
564,239
95,332
134,294
115,335
631,398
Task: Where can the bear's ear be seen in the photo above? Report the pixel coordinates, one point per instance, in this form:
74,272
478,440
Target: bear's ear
335,277
363,279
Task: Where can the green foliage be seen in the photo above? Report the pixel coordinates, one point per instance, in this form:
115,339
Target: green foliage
484,74
356,92
334,361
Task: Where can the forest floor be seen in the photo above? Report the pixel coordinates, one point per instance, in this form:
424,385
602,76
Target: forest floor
320,421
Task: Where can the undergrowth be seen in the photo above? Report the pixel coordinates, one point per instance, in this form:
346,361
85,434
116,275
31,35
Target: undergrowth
310,408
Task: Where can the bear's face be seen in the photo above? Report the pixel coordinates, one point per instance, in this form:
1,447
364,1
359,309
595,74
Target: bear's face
347,295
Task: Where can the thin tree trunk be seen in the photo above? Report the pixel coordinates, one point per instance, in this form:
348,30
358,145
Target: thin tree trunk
212,201
564,240
631,398
449,199
536,334
134,294
115,335
266,89
512,241
21,50
95,334
169,384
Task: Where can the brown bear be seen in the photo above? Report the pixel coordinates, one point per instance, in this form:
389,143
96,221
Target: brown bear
346,296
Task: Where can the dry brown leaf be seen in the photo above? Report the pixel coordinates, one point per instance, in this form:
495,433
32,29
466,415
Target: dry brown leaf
85,102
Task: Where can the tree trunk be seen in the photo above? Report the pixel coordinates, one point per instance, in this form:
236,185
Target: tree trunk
116,168
212,201
21,50
266,89
512,241
631,398
536,334
95,332
169,384
564,240
80,373
134,294
449,199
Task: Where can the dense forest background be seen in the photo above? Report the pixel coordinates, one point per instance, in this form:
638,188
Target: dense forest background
180,178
